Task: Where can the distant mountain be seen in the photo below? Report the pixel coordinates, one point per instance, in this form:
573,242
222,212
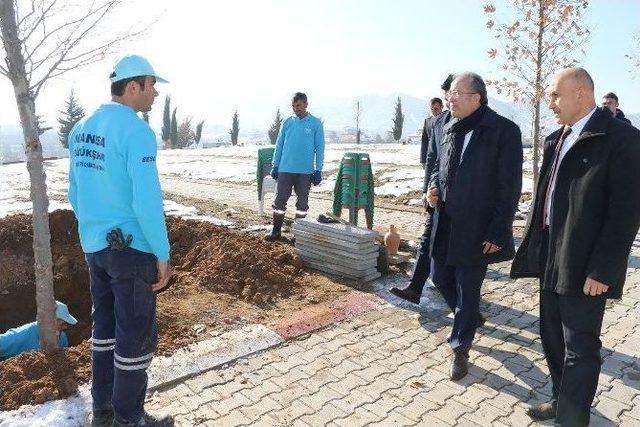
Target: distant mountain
338,113
378,112
12,148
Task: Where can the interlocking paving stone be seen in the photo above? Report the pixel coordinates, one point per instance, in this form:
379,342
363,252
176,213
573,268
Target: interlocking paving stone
389,366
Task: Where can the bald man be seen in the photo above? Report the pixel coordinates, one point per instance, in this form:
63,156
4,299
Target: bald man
585,216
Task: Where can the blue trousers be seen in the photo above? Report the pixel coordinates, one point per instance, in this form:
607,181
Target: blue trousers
125,333
460,287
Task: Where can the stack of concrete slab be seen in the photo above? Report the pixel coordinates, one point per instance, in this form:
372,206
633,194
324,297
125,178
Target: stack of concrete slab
340,249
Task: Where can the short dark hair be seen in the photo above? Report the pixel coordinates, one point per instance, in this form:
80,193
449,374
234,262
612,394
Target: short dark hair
299,96
446,85
612,96
117,88
435,100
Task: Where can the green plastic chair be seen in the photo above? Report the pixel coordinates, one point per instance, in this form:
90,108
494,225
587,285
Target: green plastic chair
354,187
263,177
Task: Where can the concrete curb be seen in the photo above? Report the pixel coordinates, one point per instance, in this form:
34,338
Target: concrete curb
209,354
206,355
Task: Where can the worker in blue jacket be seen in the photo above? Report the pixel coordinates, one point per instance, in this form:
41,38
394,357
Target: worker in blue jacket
26,338
297,162
115,192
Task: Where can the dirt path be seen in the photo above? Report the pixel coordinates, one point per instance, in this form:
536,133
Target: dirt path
408,219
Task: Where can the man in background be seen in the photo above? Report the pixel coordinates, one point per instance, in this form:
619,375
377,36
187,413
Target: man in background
297,162
422,268
610,101
427,130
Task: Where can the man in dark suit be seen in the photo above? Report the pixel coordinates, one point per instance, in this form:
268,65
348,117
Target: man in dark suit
584,218
610,101
422,268
436,106
475,190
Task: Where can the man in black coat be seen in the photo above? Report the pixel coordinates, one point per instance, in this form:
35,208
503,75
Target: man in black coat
584,218
436,106
422,268
611,102
475,190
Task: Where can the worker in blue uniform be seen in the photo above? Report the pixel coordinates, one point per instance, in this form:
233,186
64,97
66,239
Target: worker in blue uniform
114,190
26,338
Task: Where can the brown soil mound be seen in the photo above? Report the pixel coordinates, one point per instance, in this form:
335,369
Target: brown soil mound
238,264
220,277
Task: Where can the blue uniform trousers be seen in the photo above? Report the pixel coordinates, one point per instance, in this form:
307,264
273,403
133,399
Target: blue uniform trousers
125,332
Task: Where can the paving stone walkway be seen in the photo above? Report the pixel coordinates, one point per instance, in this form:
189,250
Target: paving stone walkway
389,367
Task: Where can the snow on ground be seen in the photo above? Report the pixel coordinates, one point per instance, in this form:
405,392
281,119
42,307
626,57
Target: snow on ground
15,191
70,412
396,167
15,197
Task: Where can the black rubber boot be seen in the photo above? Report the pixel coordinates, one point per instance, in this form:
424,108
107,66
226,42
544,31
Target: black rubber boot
276,231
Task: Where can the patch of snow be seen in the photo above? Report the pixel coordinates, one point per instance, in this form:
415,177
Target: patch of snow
70,412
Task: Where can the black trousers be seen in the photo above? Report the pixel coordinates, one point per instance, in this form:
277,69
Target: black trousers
570,329
460,287
422,269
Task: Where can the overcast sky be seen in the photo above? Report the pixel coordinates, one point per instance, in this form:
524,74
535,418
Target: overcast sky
222,55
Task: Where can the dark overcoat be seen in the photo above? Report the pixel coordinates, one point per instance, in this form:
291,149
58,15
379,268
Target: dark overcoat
595,211
485,193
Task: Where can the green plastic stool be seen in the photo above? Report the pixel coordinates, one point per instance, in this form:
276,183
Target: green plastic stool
263,177
354,187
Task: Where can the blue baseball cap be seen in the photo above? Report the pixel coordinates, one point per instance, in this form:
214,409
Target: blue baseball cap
62,313
133,66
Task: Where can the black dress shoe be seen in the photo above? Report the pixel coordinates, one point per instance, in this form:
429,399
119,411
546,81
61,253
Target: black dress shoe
481,321
459,366
406,294
542,412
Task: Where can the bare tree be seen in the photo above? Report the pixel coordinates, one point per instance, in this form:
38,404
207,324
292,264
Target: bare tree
538,40
634,57
358,114
44,39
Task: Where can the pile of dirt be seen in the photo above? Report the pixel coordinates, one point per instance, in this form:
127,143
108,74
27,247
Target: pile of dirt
221,278
238,264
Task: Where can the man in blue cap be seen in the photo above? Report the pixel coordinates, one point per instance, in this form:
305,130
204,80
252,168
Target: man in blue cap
26,337
115,193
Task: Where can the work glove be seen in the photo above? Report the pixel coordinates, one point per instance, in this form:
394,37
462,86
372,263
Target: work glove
274,173
316,177
117,240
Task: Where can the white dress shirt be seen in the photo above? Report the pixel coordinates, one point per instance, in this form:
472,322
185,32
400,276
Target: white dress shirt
467,138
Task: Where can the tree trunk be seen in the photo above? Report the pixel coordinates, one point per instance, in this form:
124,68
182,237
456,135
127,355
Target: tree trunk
33,150
536,142
539,92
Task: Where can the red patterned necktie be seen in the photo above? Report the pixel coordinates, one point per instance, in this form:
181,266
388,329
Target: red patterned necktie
554,169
